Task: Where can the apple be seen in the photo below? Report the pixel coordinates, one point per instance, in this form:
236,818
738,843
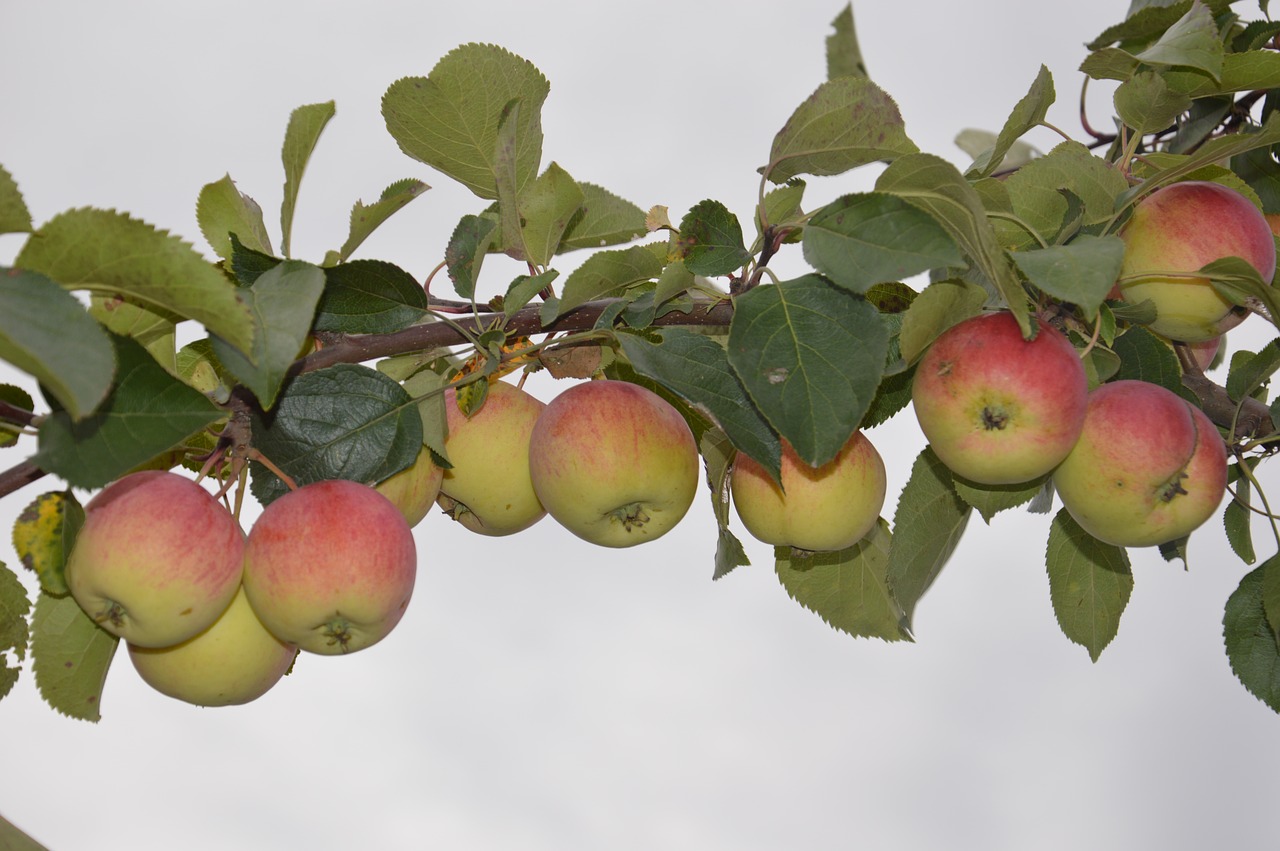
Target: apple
414,489
157,560
1174,232
1204,352
234,661
1148,469
330,567
488,489
996,408
613,462
825,508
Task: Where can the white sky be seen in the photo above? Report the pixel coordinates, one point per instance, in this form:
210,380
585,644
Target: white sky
542,693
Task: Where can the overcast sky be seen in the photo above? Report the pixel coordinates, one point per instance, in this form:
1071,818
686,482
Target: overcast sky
545,694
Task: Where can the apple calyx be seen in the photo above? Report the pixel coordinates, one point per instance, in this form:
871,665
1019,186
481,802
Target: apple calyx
994,418
631,516
338,630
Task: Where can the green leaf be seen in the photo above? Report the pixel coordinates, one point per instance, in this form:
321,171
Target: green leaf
222,210
19,398
718,453
1089,584
14,633
861,240
927,526
1192,41
1250,639
782,205
155,330
1249,372
365,219
1241,72
450,118
507,182
45,331
844,57
990,500
1236,280
847,122
248,265
14,215
524,288
72,655
369,297
427,387
935,186
696,368
1029,112
1081,272
937,308
605,219
1147,104
1038,194
343,422
608,273
979,143
147,413
1146,357
472,239
710,240
283,303
43,536
810,355
1271,592
547,207
847,589
306,123
110,253
1237,517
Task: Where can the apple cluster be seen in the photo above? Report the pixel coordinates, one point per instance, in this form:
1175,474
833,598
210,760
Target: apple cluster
612,462
1134,463
215,617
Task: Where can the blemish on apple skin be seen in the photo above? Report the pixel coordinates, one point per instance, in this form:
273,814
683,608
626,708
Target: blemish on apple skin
184,612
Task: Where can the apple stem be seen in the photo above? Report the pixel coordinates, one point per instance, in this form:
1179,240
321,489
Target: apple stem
255,455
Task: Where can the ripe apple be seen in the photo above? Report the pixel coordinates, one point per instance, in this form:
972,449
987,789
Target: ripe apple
1203,353
414,489
1179,229
157,560
1149,466
234,661
825,508
330,567
488,489
613,463
996,408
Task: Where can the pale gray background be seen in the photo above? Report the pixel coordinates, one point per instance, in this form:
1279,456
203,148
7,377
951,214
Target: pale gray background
543,693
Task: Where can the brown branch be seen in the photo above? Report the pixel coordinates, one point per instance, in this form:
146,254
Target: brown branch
1255,417
356,348
19,476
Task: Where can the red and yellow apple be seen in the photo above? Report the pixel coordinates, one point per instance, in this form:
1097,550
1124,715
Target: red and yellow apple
996,408
1176,231
157,560
234,661
488,489
825,508
614,463
414,489
330,567
1149,467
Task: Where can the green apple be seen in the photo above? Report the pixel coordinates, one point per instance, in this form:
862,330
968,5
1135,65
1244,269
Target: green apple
996,408
1149,467
825,508
1173,233
234,661
414,489
614,463
157,560
488,489
330,567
